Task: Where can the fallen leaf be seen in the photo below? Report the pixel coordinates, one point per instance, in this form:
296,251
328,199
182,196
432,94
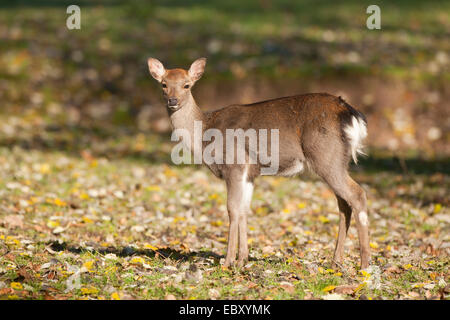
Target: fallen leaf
13,221
287,286
346,289
328,288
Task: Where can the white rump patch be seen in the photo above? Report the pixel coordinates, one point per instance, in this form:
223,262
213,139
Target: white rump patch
356,133
363,218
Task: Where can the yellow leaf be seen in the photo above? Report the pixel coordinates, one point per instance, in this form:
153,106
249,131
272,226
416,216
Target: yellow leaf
153,188
52,224
176,219
137,260
321,270
59,202
169,173
213,196
374,245
89,265
407,266
301,205
362,285
365,273
115,296
437,207
217,223
93,163
87,220
149,246
84,196
45,168
324,219
16,285
328,288
89,290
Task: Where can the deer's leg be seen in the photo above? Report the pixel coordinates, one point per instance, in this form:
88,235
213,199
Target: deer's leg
359,206
239,192
232,235
346,188
247,192
345,213
354,195
243,243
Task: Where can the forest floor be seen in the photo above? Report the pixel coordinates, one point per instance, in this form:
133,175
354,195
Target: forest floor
105,223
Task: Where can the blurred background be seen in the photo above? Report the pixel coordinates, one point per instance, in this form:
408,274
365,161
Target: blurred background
89,89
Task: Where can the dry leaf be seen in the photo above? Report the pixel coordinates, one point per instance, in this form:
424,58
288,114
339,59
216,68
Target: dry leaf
345,289
13,221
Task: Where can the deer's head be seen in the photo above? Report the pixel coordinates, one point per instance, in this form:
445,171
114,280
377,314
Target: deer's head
176,83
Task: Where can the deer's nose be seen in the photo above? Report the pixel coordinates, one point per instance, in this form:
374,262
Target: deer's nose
173,102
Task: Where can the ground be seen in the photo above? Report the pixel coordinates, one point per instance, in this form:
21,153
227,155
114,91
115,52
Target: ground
91,206
79,226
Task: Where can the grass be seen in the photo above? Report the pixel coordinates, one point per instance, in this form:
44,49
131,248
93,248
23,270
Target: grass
92,208
141,231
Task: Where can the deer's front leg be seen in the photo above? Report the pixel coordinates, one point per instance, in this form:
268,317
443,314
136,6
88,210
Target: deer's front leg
238,202
232,238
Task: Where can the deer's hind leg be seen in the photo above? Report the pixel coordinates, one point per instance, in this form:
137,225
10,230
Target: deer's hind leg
345,215
326,162
355,198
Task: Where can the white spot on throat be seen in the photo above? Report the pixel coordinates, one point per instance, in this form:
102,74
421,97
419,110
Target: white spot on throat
363,218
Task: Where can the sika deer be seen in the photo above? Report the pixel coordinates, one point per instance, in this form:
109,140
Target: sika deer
316,129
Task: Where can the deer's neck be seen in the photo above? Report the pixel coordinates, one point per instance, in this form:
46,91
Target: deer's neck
189,117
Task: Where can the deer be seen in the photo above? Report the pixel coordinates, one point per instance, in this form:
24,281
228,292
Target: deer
316,130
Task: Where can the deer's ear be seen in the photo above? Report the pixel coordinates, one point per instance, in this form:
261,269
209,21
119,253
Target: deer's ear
156,68
197,68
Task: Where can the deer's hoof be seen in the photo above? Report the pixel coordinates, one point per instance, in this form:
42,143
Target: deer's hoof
227,263
242,262
336,265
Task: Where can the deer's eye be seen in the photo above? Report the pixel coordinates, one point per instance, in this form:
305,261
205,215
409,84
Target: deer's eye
186,86
164,85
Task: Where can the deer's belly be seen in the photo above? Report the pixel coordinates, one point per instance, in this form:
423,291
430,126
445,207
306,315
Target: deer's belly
292,169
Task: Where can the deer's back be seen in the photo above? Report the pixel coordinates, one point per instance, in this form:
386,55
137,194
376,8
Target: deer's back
291,115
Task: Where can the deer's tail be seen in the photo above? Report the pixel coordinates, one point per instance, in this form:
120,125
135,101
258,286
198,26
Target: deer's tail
354,126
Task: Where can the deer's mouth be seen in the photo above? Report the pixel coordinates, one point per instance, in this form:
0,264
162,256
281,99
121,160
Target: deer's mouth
173,108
